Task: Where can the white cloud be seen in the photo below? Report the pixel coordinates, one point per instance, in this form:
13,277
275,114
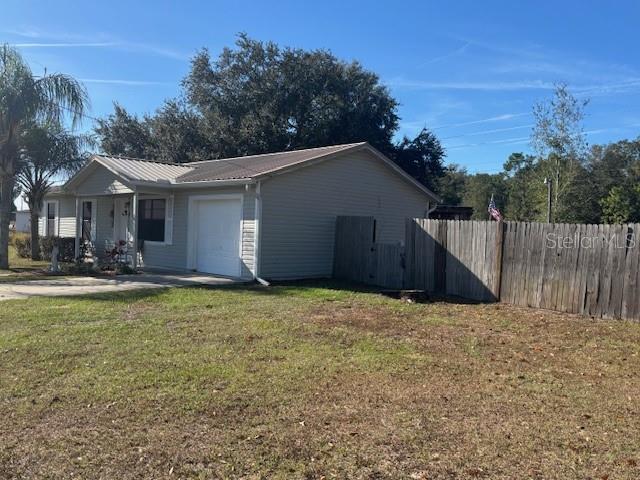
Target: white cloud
497,118
454,53
95,40
485,86
486,132
507,141
64,45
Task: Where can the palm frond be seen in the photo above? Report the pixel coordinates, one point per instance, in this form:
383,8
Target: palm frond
61,95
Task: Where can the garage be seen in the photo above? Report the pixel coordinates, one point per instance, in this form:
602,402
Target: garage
217,242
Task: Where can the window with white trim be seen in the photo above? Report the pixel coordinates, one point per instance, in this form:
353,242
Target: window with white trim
155,219
51,219
151,221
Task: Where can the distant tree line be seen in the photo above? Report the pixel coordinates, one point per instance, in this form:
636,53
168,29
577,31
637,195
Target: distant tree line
258,97
589,184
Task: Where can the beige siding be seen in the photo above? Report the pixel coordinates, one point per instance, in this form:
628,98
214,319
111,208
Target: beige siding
174,256
299,210
102,182
66,216
248,233
104,224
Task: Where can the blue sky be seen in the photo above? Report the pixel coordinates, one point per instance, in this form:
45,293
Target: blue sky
469,70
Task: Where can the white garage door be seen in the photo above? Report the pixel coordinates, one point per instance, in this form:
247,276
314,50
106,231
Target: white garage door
218,240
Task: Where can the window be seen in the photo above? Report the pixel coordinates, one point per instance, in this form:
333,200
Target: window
51,219
87,208
151,222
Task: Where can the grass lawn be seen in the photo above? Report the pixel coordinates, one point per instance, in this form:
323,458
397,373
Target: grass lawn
310,381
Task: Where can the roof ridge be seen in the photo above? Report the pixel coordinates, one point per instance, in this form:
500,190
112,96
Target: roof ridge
340,145
135,159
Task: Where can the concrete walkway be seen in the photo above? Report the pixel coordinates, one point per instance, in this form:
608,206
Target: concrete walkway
63,286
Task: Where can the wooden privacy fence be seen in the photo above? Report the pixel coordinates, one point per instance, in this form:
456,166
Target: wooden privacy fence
454,257
357,257
587,269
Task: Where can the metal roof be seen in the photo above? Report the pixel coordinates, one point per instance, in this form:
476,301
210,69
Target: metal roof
135,169
226,170
255,165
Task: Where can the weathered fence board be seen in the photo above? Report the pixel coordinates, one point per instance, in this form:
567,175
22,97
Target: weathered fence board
587,269
358,258
353,239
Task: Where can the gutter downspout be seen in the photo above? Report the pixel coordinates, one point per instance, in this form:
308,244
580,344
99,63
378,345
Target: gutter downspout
256,241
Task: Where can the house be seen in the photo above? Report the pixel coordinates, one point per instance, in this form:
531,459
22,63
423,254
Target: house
270,216
21,221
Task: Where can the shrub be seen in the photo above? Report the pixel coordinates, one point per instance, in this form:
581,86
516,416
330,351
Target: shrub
22,244
67,246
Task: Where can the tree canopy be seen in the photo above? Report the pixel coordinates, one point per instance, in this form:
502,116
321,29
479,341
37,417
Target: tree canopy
258,97
422,158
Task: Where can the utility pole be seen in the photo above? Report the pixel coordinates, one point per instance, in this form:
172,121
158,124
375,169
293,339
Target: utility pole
548,182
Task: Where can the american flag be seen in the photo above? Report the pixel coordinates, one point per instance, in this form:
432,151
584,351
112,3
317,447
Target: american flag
493,210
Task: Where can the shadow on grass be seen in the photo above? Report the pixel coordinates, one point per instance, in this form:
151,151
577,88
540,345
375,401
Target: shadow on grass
277,289
124,296
284,288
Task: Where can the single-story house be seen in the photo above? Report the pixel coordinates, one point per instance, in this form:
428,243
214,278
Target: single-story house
22,221
270,216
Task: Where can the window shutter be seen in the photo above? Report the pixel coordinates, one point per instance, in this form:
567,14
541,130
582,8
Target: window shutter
168,221
57,219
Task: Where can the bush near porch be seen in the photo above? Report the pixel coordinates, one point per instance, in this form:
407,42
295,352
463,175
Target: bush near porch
22,243
312,381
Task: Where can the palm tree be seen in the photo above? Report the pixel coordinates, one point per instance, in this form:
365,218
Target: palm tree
24,99
47,152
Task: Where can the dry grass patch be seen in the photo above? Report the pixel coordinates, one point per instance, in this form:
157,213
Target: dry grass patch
311,381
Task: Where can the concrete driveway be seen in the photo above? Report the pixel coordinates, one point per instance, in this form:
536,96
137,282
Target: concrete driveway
63,286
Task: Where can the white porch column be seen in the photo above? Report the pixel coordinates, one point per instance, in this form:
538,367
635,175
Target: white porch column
134,222
78,228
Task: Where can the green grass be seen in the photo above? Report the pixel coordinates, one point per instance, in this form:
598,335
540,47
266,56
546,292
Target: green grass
311,381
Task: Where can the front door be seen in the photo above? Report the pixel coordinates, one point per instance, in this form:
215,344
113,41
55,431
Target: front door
218,239
121,220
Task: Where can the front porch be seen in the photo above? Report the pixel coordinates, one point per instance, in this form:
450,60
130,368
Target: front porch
108,227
